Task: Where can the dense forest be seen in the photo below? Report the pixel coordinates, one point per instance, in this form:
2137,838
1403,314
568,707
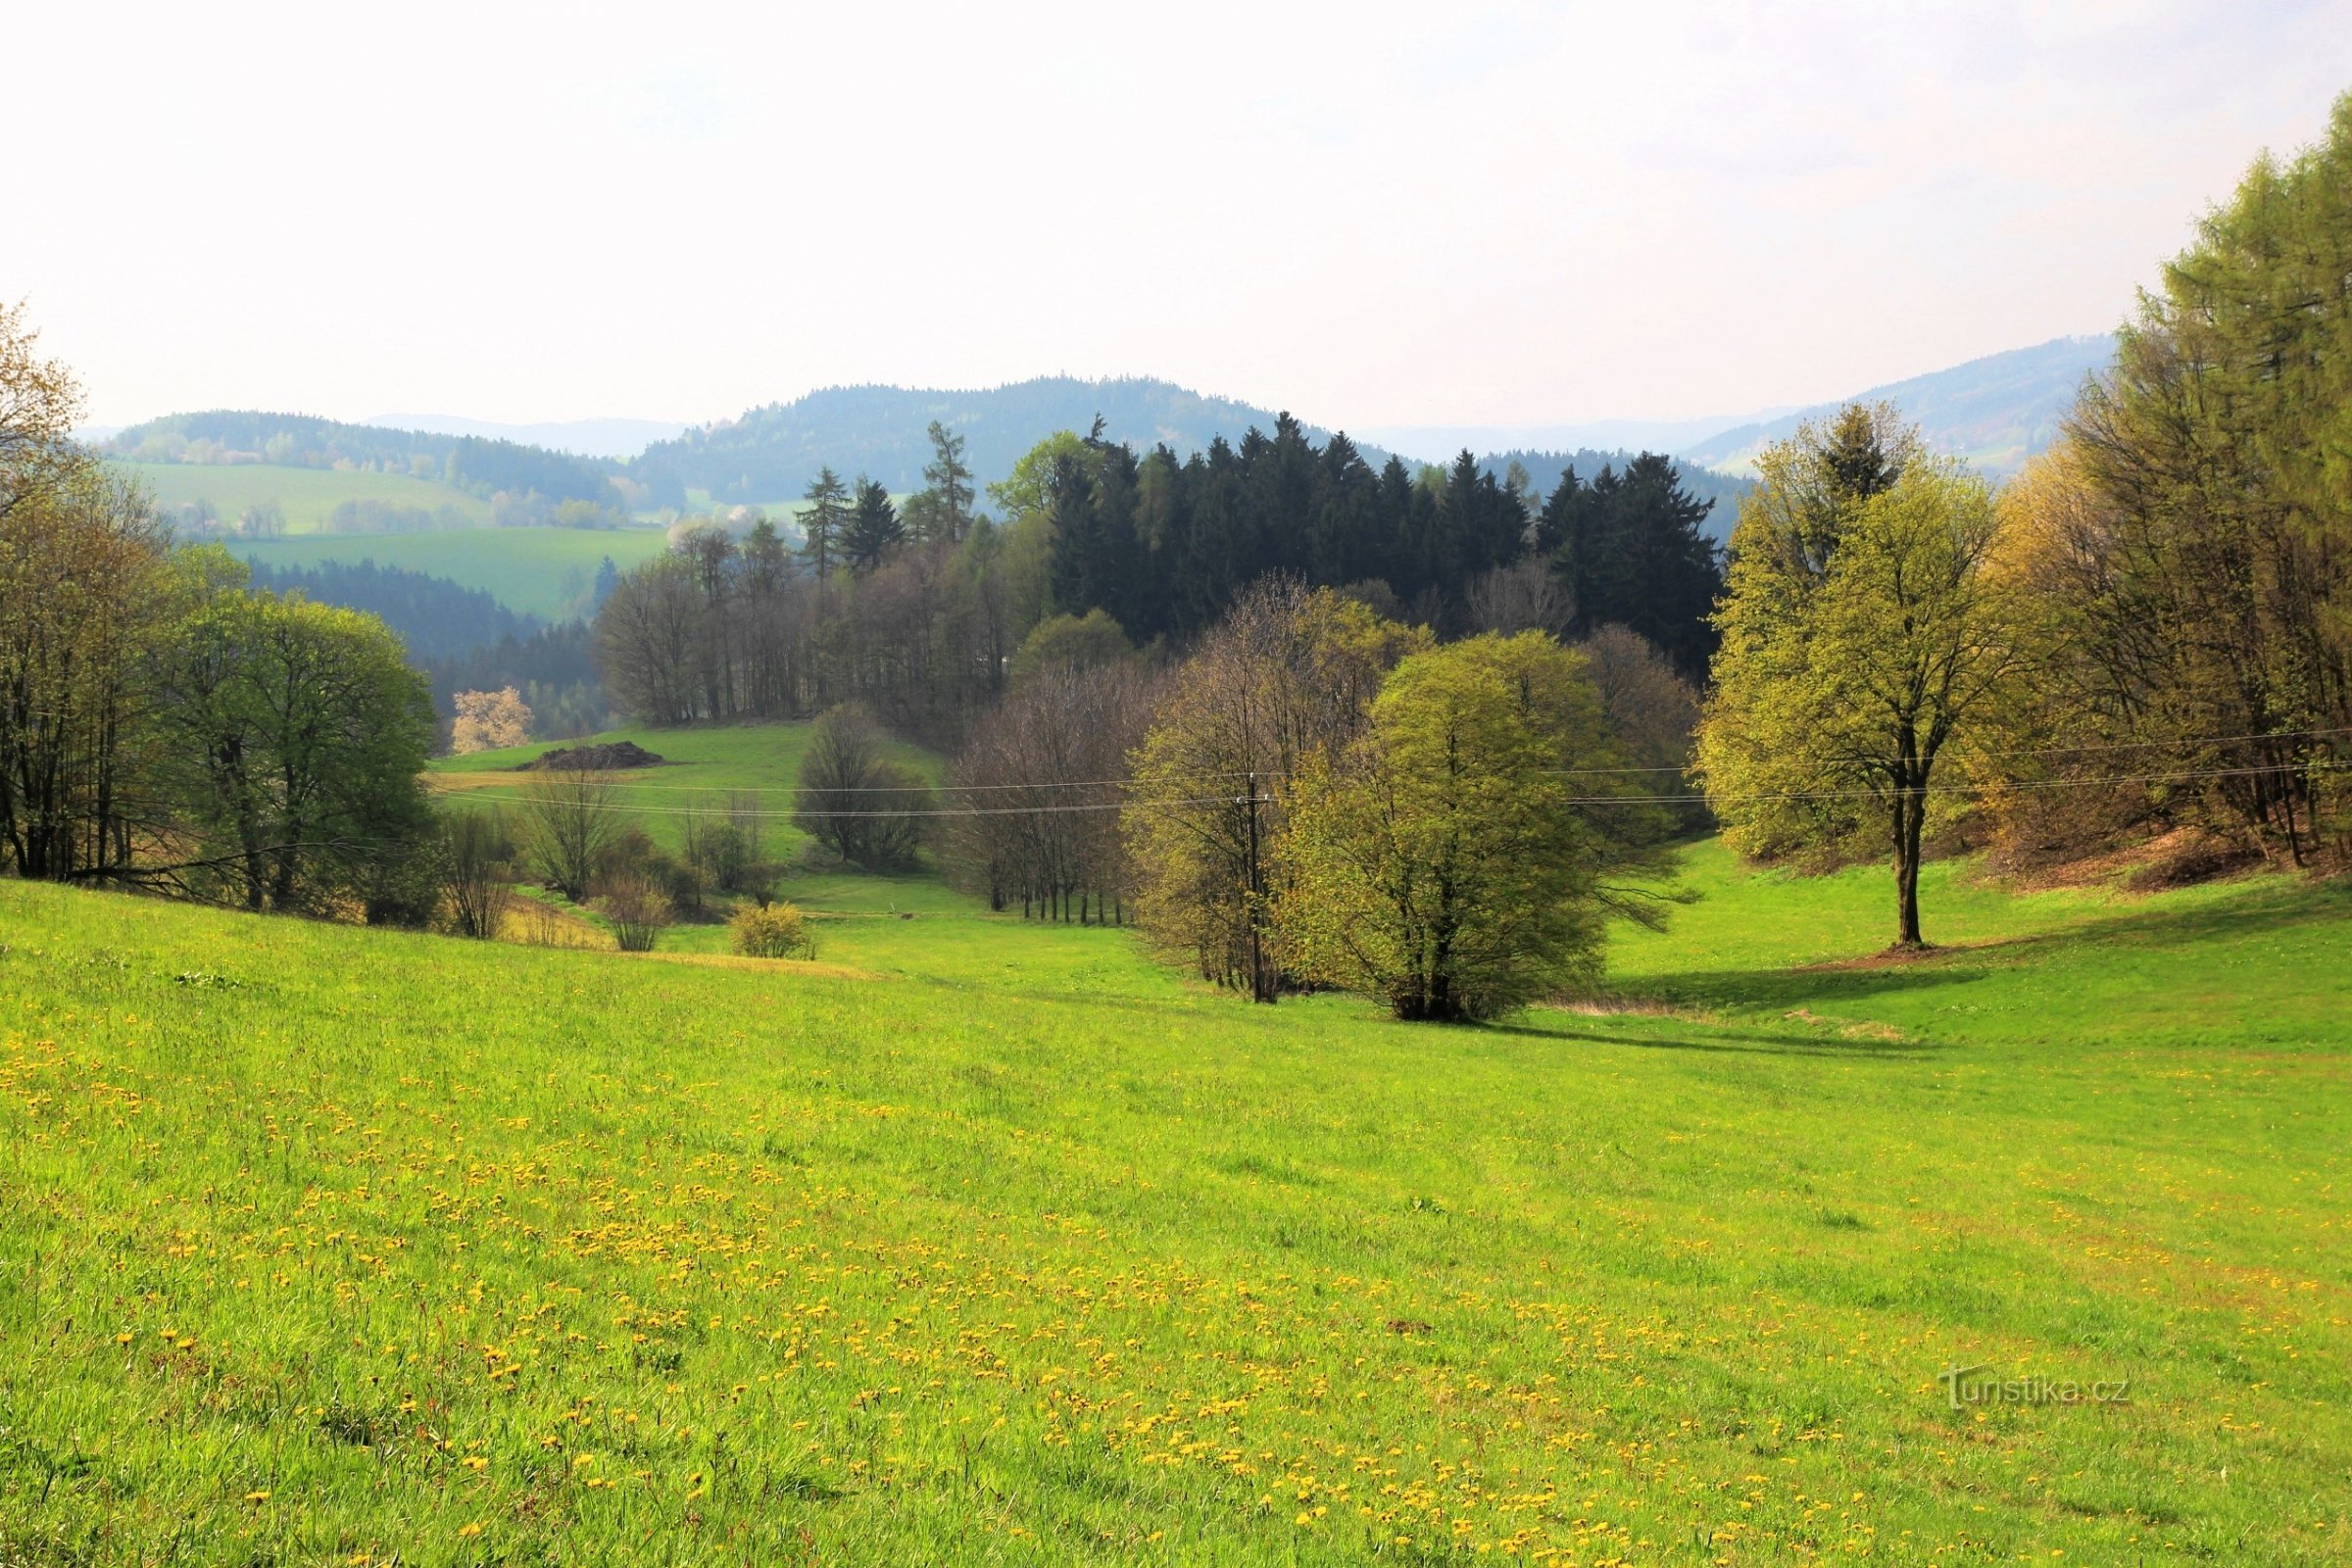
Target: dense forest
434,616
924,624
1541,472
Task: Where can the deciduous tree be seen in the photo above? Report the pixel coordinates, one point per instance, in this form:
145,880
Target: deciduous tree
1862,635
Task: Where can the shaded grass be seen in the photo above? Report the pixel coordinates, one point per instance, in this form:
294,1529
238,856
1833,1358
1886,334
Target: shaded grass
1031,1252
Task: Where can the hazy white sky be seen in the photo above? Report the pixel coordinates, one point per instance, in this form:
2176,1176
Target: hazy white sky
1372,213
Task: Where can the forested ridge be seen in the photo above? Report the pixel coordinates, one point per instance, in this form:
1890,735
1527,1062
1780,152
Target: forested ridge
472,463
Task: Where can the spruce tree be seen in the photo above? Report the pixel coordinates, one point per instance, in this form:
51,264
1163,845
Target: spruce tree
874,530
822,521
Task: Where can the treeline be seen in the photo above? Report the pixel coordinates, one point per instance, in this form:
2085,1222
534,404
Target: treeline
164,726
1544,470
2188,547
920,617
435,618
772,453
472,463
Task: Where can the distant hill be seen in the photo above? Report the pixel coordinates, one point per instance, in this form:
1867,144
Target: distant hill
1995,411
583,438
232,437
771,454
1437,443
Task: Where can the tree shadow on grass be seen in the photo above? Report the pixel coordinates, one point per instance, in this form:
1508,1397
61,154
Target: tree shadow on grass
1789,990
1738,1039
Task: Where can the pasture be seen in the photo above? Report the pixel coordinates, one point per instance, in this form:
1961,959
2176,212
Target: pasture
991,1242
306,496
703,770
547,573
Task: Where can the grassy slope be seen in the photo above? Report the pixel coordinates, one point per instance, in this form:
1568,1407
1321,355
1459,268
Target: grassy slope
541,571
701,771
308,496
1029,1252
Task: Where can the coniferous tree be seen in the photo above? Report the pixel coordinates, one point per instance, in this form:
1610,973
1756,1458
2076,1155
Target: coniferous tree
1629,552
874,530
823,520
943,512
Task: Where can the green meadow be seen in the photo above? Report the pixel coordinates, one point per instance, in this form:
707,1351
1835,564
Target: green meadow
306,496
984,1242
703,770
540,571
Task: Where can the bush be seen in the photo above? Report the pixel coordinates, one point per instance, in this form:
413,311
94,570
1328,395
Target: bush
637,908
772,931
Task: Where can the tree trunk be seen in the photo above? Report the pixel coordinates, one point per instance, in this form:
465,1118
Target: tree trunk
1910,815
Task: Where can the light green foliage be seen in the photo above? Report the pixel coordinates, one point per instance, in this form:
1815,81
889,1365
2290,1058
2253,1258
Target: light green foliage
1073,642
1027,492
1437,864
1862,635
772,931
295,732
442,1231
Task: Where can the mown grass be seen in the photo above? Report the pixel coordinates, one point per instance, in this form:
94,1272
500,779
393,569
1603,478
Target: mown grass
325,1244
306,496
548,572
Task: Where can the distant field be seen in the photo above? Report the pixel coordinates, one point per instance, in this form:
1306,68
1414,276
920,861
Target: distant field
546,572
702,770
982,1242
306,496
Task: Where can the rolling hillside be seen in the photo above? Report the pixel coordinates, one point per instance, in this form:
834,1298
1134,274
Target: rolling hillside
978,1242
547,573
307,497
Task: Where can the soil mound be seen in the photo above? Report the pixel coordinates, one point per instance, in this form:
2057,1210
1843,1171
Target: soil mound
618,753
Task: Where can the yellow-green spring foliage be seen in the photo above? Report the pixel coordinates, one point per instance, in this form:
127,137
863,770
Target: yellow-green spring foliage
772,931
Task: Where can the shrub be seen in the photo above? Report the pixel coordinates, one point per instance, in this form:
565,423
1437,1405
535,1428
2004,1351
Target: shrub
637,908
772,931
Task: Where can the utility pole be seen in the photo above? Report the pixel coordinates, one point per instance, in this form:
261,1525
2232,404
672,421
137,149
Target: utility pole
1261,985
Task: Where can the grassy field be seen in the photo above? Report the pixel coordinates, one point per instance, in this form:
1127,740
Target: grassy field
997,1243
703,770
306,496
540,571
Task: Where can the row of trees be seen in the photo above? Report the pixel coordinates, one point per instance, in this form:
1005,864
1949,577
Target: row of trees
162,724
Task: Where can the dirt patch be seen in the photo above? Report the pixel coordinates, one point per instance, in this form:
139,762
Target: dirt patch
2186,858
599,758
2180,858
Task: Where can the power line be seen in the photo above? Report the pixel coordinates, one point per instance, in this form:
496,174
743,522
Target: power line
1681,799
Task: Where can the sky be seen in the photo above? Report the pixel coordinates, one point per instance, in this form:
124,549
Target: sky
1373,215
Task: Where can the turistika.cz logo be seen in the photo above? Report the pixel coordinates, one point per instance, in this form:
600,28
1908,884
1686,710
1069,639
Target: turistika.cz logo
1970,1386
